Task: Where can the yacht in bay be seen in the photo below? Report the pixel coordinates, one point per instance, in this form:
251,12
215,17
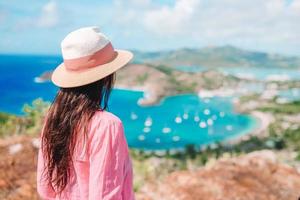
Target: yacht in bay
148,122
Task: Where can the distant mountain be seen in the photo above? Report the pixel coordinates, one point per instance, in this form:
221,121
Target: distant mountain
224,56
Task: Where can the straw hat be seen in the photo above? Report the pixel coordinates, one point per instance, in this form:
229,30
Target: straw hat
88,56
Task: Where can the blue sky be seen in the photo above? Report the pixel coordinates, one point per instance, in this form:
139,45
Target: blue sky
38,26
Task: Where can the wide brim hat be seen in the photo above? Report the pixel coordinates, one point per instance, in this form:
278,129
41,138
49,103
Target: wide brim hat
88,57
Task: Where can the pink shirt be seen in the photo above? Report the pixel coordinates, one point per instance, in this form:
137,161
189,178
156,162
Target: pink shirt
102,170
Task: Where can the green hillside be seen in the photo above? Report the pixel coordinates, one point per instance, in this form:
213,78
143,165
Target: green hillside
225,56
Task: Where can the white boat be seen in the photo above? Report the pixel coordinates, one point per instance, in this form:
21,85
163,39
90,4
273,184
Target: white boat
185,116
146,129
206,112
222,114
141,137
166,130
175,138
210,122
178,119
38,80
196,118
148,121
133,116
202,124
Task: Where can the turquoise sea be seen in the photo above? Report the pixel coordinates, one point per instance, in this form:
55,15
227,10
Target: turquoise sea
178,120
175,122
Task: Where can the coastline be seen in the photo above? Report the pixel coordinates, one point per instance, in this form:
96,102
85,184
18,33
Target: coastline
260,131
149,97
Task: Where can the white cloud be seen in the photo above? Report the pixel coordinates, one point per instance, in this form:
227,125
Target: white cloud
49,15
271,25
135,3
171,19
295,6
216,19
250,22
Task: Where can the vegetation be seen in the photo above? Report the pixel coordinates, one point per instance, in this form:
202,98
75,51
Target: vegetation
226,56
29,123
9,124
142,78
289,108
164,69
248,98
182,87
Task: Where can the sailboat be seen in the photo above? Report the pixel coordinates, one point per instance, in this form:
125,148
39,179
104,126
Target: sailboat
196,117
175,138
222,114
210,122
206,112
148,121
178,119
185,116
202,124
133,116
166,130
141,137
146,129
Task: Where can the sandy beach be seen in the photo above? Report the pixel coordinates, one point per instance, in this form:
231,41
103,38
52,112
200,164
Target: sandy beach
261,129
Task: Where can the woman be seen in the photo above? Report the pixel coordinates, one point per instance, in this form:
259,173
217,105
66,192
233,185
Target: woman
84,153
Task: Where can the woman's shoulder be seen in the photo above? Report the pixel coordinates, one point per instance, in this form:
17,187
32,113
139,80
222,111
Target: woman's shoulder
106,116
104,121
105,126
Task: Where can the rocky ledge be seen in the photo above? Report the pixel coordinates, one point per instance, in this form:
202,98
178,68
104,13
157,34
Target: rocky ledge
255,176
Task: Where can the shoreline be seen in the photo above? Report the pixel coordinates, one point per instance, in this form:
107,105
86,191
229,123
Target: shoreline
148,98
261,129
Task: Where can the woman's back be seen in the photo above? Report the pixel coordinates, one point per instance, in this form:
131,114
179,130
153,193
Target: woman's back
102,167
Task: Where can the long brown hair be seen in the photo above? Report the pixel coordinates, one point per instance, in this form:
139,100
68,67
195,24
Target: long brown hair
70,112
